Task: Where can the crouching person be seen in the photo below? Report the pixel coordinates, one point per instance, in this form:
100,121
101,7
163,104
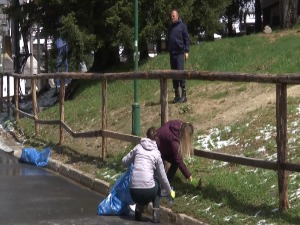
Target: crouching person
148,175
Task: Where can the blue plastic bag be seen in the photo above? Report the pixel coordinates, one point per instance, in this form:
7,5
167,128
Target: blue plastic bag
32,156
117,202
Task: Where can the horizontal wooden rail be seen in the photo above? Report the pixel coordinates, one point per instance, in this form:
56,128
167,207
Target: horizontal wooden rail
48,122
27,115
85,134
237,159
246,161
290,78
121,137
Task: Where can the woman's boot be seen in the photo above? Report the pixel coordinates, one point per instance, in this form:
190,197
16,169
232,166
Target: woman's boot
139,209
156,215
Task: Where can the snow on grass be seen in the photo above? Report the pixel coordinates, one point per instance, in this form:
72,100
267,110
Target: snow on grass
214,141
217,139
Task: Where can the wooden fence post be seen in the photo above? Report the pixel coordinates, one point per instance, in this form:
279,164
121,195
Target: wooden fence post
164,101
62,108
16,94
8,97
281,139
104,119
34,104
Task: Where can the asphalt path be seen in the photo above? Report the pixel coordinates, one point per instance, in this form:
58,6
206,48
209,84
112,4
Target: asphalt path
37,196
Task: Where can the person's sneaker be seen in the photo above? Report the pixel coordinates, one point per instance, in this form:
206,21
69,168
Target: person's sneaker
156,215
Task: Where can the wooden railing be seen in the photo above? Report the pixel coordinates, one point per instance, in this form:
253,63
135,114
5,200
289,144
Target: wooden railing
281,81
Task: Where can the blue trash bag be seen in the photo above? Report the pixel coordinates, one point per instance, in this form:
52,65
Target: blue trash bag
32,156
117,202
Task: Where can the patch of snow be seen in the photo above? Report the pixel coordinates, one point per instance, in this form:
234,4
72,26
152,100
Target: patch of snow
295,195
275,210
294,123
220,204
194,197
257,214
207,209
272,157
4,147
227,218
214,141
262,149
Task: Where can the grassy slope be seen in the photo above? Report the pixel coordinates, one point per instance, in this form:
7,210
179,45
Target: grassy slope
220,193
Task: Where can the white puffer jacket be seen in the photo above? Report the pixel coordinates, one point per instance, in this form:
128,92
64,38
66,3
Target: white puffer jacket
147,163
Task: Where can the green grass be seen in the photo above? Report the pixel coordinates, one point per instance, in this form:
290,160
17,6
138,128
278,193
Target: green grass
244,195
220,193
248,54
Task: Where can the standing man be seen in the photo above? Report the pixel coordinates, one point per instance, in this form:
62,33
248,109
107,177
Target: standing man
178,45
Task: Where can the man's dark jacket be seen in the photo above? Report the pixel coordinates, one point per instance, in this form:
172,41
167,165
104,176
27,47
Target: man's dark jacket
178,38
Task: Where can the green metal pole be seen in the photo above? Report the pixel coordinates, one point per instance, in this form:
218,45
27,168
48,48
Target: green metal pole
2,51
136,126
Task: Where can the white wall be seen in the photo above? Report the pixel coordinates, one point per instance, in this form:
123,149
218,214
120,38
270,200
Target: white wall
11,86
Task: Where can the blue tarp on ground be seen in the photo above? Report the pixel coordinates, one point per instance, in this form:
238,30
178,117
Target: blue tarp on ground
119,199
32,156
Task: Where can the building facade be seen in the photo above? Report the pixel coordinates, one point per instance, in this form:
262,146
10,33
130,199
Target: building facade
271,12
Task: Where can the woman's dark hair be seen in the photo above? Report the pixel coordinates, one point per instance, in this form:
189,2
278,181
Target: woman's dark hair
151,133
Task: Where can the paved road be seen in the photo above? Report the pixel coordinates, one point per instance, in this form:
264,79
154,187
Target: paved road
33,195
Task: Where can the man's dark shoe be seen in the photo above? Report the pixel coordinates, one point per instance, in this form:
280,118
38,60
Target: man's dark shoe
183,98
176,100
177,96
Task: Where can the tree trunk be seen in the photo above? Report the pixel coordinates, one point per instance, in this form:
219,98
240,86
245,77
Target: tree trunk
258,14
143,49
229,26
288,13
105,58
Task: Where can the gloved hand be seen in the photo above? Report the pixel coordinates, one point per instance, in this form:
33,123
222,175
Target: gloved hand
172,194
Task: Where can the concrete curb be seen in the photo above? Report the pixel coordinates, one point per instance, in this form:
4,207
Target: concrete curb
80,177
103,188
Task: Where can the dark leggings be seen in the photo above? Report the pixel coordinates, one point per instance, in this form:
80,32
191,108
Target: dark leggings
144,196
172,171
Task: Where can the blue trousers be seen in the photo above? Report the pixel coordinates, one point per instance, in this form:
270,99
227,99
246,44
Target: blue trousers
177,63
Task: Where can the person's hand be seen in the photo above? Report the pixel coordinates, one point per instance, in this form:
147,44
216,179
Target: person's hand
172,194
186,56
190,178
